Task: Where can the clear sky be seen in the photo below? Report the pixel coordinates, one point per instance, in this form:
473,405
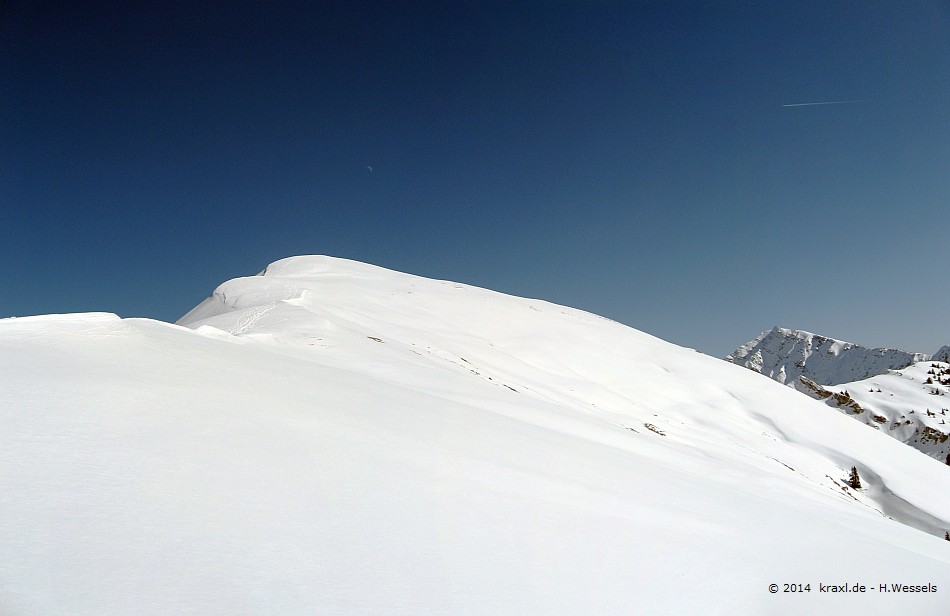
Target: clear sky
633,159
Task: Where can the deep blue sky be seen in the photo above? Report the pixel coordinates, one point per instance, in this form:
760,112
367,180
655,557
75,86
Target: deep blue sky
632,159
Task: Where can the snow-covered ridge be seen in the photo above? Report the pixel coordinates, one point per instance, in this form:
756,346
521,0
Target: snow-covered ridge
336,437
910,405
784,355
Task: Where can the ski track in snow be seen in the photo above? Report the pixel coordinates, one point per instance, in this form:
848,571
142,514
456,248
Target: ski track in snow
249,318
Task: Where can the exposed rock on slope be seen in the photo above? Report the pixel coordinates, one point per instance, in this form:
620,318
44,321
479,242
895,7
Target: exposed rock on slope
890,390
910,405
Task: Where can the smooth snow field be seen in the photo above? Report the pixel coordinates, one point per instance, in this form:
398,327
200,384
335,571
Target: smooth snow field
331,437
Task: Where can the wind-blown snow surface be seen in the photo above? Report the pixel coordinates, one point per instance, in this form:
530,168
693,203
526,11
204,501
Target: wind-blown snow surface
787,354
336,438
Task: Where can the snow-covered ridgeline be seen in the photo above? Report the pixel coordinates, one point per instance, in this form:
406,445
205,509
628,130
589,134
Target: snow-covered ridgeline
911,405
784,355
339,438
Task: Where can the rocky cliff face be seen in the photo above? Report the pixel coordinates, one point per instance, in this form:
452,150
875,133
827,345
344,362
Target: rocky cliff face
785,355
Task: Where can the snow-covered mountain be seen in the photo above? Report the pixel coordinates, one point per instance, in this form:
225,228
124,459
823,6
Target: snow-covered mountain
910,405
889,390
784,355
331,437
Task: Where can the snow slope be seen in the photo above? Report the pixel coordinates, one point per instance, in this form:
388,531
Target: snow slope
335,438
787,354
910,405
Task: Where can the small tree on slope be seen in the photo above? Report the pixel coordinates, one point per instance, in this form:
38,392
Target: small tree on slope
855,480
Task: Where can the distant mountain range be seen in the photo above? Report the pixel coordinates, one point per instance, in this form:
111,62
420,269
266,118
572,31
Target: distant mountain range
899,393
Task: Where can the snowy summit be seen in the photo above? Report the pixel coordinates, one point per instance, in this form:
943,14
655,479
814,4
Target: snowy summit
330,437
787,354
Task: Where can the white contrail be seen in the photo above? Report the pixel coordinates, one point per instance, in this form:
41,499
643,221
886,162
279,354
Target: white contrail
822,103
